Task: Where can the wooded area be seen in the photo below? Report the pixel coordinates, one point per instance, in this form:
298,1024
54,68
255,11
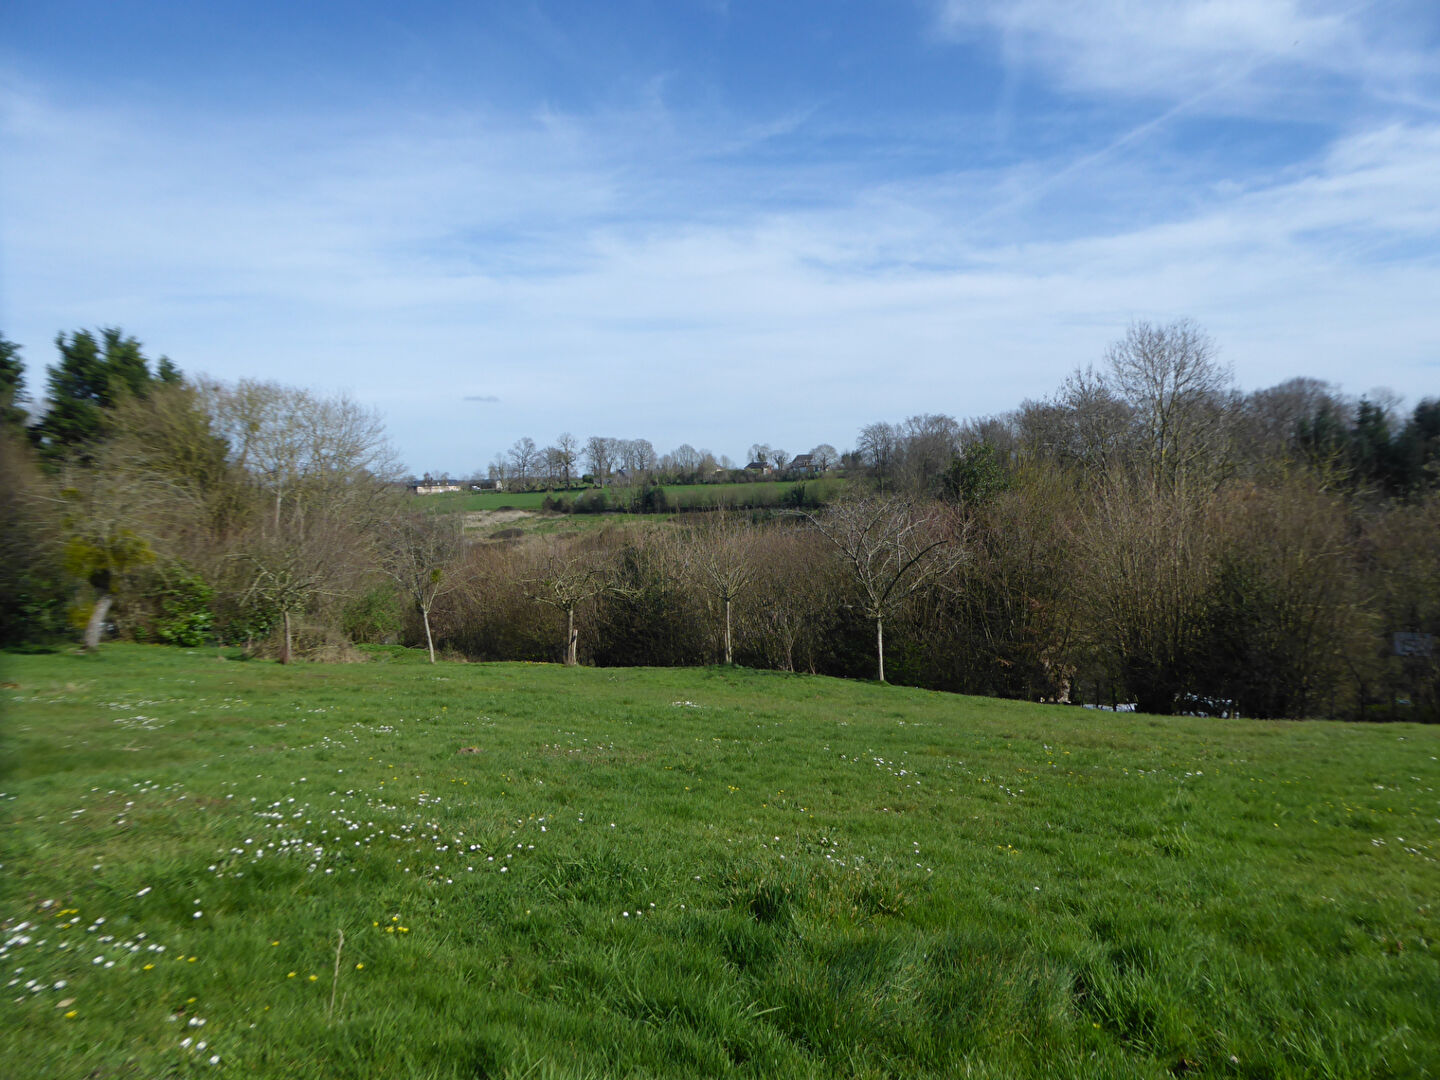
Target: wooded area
1148,534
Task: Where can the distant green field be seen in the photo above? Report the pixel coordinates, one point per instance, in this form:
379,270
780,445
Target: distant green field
683,496
551,872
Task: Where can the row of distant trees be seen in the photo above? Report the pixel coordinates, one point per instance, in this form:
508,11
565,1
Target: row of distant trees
1162,406
1147,534
602,460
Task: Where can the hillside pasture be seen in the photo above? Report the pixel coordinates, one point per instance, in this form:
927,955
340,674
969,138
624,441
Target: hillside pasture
552,872
758,495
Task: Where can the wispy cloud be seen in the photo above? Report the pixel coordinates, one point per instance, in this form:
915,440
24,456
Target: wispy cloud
574,268
1232,54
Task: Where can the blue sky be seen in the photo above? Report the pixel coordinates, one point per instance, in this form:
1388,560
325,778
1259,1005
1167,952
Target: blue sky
720,222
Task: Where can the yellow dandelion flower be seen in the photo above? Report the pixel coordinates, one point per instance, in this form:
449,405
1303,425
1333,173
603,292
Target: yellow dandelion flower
359,967
314,977
71,1015
147,967
291,975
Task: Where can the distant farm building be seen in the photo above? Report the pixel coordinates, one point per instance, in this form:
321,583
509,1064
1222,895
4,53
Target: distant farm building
432,488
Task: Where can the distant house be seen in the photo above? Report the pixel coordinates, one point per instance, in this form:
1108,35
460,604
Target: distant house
803,464
434,487
760,468
488,485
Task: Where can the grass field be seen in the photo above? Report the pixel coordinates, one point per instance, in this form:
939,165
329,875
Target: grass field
553,872
762,493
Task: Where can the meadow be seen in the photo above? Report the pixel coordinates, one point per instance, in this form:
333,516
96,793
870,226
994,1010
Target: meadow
758,495
396,869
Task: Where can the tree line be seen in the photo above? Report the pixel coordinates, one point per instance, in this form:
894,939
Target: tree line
1148,534
602,460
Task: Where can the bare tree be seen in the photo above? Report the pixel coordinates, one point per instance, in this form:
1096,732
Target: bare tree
877,446
287,577
929,440
781,458
306,451
565,581
600,455
824,457
788,613
420,552
1170,378
892,549
760,452
1146,562
524,457
499,470
722,560
568,451
553,463
644,457
686,458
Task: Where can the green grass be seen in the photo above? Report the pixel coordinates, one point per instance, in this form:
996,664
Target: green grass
548,872
761,493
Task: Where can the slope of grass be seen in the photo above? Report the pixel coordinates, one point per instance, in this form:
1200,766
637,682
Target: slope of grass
551,872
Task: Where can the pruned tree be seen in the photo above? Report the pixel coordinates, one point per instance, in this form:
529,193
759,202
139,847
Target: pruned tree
421,552
893,549
564,581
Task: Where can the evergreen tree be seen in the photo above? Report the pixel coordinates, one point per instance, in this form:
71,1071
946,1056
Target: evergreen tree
92,377
12,387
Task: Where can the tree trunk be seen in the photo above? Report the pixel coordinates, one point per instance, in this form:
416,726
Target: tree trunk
96,623
285,641
571,652
729,652
880,645
429,641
